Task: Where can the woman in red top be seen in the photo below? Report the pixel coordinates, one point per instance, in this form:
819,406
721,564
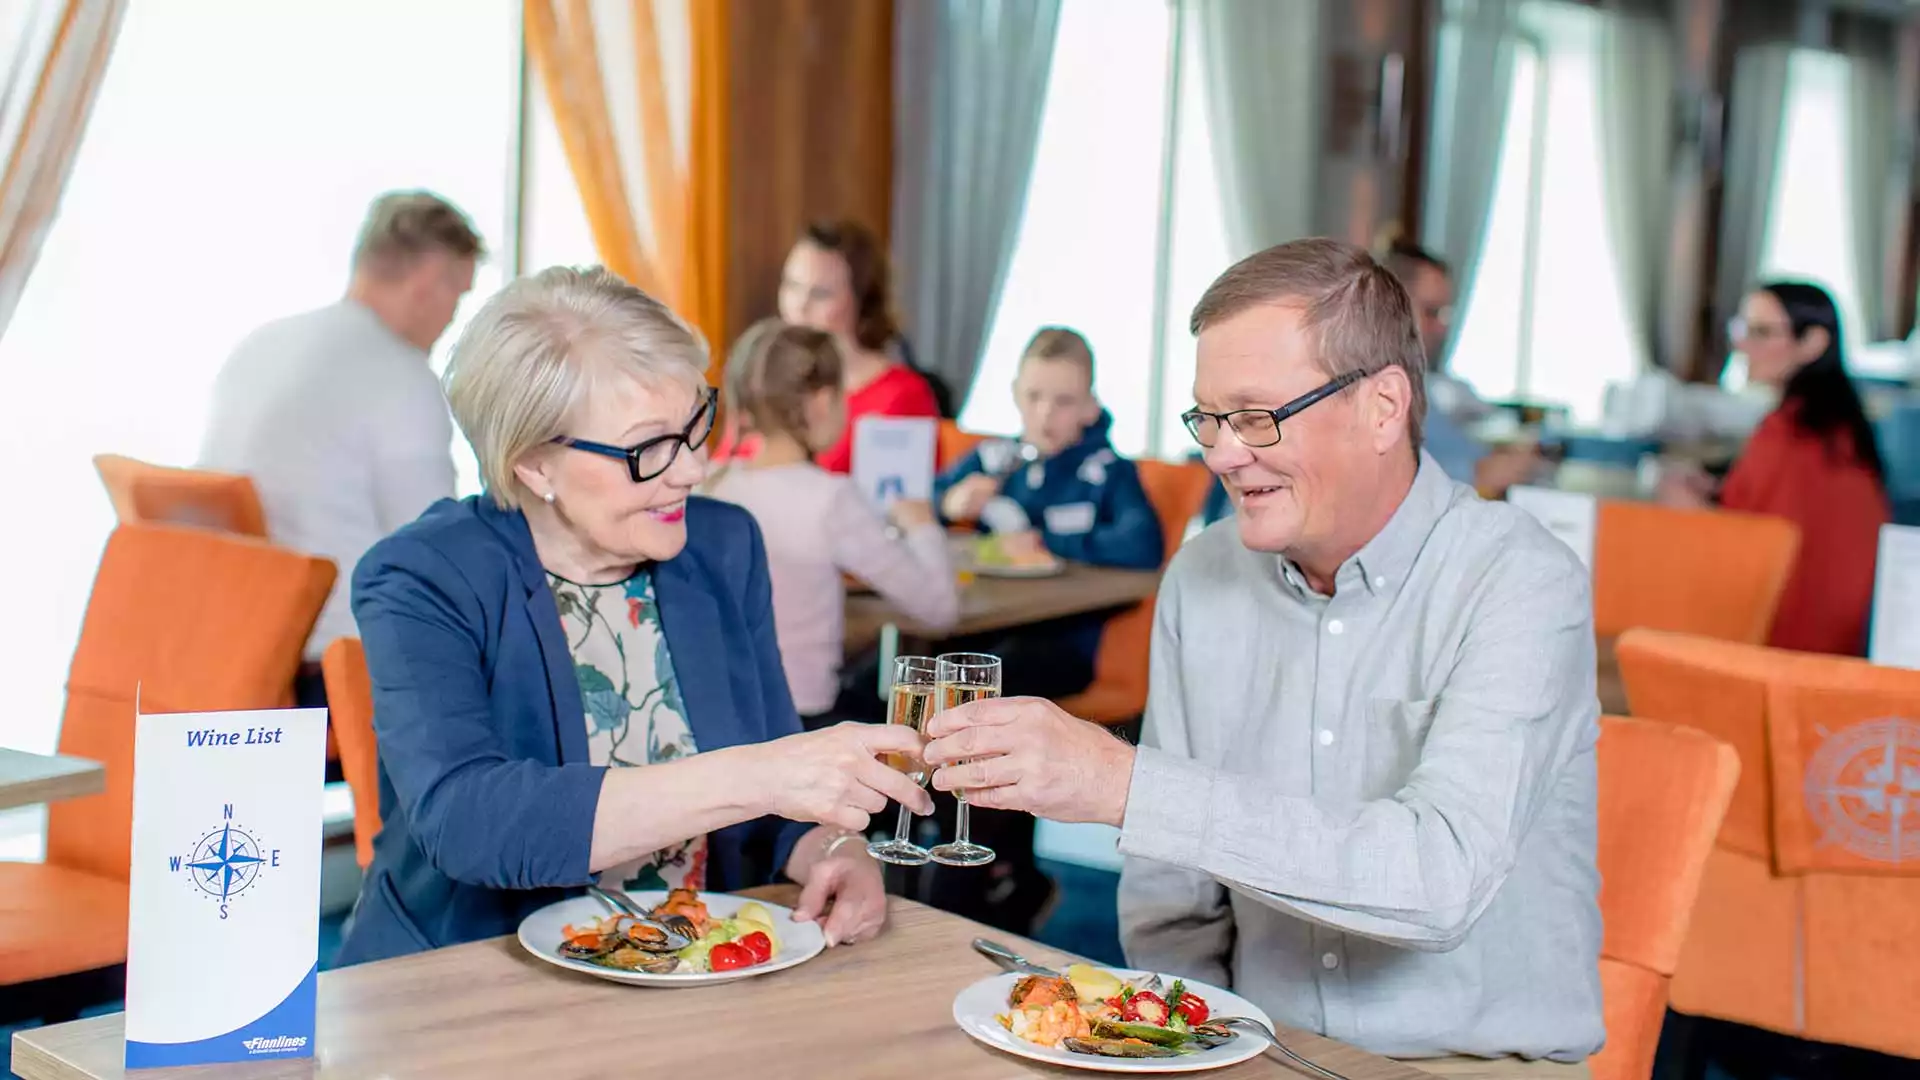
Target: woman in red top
1812,461
835,281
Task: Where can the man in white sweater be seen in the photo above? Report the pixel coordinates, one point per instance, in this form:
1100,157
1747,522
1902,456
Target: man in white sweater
335,413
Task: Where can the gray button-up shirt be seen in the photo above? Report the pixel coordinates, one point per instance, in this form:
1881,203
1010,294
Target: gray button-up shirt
1373,814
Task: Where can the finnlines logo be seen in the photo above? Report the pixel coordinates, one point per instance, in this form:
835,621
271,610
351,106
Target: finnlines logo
279,1044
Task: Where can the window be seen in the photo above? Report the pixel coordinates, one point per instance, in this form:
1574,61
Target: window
220,187
1809,235
1089,249
1546,319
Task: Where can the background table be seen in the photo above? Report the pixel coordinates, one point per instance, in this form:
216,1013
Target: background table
484,1010
26,779
997,603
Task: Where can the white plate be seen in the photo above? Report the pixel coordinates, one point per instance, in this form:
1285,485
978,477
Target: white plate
975,1007
540,934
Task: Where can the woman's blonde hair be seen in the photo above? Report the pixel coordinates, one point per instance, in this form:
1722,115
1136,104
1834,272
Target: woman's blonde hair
526,365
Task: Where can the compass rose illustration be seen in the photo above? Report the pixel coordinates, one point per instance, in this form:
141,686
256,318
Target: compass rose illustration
1863,790
225,862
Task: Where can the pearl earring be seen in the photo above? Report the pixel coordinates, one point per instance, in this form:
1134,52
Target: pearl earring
548,497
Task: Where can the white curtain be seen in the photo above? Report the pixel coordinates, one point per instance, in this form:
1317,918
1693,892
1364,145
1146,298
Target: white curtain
1475,84
970,85
56,52
1870,170
1262,72
1756,115
1636,105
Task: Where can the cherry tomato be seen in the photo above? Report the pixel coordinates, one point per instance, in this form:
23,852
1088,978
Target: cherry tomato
1147,1007
1194,1008
760,945
729,955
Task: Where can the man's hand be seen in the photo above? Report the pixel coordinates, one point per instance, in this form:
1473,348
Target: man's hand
1026,754
968,497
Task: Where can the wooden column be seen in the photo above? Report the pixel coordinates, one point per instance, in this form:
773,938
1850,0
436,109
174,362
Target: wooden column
1702,75
811,135
1374,135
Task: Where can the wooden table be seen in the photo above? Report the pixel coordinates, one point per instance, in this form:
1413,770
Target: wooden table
488,1009
27,779
996,603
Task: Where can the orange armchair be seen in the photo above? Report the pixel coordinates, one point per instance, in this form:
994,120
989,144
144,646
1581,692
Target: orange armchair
1663,792
155,494
350,711
1710,572
951,444
1119,690
1810,905
198,621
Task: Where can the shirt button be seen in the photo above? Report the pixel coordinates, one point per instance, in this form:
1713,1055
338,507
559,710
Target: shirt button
1336,628
1329,961
1379,583
1326,737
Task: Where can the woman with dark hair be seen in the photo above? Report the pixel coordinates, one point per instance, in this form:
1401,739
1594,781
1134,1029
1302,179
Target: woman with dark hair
1812,461
836,280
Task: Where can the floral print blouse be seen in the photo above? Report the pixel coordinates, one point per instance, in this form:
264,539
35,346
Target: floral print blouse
633,711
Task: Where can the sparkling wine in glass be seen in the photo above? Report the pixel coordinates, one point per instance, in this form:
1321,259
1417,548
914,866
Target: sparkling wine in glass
911,702
965,677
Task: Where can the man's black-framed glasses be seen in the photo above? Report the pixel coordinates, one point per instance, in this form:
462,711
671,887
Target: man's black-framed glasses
1260,427
649,459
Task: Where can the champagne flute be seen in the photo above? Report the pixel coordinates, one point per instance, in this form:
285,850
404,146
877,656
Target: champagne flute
910,702
965,677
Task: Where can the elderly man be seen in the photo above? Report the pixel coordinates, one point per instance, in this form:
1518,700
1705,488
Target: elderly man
1366,799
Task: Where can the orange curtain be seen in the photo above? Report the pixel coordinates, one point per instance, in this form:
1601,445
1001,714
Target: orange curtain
45,100
657,214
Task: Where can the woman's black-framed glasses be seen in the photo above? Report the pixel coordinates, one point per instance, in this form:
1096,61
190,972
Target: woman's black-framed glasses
1261,427
649,459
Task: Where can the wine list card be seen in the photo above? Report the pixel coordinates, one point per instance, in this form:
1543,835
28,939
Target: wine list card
1895,638
224,917
1566,514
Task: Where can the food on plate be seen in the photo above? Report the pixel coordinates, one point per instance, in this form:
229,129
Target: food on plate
1094,1011
660,945
1020,550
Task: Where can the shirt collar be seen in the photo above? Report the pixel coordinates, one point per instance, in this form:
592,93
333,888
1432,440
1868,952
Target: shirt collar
1384,562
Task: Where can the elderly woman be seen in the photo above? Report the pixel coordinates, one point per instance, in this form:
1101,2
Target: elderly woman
575,676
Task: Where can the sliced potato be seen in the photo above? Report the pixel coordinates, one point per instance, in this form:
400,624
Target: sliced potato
1093,984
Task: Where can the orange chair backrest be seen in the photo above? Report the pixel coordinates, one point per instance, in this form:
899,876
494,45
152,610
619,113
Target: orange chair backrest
1845,740
1720,688
1714,573
199,622
350,710
1663,790
159,495
1176,491
951,444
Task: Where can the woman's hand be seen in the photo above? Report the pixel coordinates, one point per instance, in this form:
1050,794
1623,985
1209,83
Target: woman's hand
846,887
1684,487
835,777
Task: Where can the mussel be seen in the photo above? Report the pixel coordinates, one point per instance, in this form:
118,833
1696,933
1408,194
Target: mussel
1147,1033
588,946
652,935
630,959
1119,1048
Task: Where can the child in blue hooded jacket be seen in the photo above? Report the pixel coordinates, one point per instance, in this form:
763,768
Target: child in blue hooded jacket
1061,486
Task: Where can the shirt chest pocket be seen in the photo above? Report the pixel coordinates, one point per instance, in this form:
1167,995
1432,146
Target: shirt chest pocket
1396,735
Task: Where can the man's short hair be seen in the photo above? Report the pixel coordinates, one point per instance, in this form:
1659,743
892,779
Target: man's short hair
1403,259
1358,313
402,225
1060,343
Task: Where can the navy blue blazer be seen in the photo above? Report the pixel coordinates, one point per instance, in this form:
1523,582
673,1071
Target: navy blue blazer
486,795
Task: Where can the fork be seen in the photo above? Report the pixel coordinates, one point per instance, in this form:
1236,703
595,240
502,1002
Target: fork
622,904
1224,1023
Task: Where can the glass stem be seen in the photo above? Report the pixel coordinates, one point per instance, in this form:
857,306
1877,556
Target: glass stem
900,825
962,821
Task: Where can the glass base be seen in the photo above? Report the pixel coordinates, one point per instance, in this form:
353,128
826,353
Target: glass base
899,853
961,854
